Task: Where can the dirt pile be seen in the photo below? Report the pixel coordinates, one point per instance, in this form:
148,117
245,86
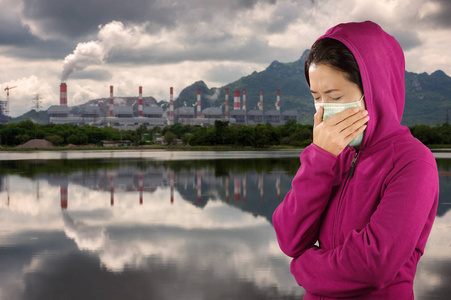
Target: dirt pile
37,143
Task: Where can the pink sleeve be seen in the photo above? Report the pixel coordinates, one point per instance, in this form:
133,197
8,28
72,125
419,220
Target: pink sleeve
296,219
370,258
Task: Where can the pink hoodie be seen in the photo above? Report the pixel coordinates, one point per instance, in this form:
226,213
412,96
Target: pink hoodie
372,227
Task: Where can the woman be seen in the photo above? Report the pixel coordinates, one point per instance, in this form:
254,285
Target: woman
364,199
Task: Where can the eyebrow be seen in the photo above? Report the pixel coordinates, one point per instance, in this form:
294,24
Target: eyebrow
326,92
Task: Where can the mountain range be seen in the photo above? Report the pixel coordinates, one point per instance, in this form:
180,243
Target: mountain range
427,96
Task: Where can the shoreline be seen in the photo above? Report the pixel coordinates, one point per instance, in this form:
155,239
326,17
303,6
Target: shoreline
164,153
433,148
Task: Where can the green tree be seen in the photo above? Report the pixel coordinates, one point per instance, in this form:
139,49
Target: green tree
262,136
246,135
170,138
23,138
186,138
78,139
27,125
141,130
55,139
444,131
221,132
425,134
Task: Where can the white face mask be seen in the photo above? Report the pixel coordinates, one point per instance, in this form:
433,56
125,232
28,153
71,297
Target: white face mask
331,109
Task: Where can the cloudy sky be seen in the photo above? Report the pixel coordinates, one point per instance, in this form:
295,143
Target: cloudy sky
93,44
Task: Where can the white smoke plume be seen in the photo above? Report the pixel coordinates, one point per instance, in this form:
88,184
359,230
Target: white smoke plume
214,97
111,36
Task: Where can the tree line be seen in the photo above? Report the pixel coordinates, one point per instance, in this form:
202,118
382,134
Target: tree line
222,133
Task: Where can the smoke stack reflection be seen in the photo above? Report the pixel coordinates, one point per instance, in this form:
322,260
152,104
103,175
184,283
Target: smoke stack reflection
111,190
171,183
244,188
199,186
227,188
7,190
237,188
260,186
63,195
141,188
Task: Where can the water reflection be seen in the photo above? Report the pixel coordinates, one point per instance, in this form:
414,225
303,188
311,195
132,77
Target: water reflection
141,228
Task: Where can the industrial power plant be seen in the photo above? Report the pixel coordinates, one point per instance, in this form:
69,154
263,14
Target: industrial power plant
154,115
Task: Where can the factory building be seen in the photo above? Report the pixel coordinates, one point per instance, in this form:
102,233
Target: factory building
289,115
123,112
124,116
212,113
58,111
238,116
183,114
90,111
153,112
255,117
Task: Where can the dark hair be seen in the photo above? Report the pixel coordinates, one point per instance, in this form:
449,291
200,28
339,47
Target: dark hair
335,54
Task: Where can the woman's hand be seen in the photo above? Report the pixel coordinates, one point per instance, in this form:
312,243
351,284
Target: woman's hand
336,132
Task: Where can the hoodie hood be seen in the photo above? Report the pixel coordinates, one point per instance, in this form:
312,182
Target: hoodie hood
381,63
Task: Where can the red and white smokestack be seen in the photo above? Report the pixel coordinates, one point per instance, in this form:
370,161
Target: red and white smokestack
140,188
260,185
237,188
171,183
244,99
198,103
226,103
244,188
140,105
227,188
199,186
278,100
111,101
171,103
63,94
260,105
63,196
7,190
111,190
236,100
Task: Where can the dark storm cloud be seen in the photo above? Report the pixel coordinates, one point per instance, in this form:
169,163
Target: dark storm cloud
407,39
20,42
287,14
12,32
253,50
441,18
39,49
72,22
82,17
251,3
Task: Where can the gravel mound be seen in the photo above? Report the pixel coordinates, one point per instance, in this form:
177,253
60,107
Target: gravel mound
37,143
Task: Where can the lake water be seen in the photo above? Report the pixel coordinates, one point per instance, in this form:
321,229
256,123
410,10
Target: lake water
163,225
